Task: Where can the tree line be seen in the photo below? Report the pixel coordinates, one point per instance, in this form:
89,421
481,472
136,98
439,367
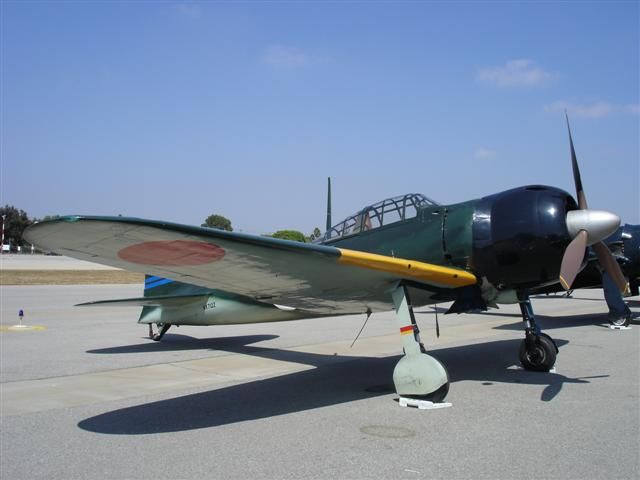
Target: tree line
223,223
15,221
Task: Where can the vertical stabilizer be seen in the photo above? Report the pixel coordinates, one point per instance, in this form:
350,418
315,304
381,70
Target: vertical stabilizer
162,287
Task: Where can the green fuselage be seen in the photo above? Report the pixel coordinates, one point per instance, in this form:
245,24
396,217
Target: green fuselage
440,235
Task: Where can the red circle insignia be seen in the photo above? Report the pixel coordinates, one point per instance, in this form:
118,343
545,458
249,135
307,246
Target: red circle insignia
172,253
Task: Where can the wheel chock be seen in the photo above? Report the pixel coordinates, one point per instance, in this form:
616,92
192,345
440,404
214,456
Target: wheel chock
521,368
422,404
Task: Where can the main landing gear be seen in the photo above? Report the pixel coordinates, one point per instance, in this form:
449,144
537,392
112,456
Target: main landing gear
417,375
538,350
162,329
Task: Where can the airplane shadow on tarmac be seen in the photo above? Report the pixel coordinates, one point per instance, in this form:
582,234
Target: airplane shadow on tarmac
176,342
331,382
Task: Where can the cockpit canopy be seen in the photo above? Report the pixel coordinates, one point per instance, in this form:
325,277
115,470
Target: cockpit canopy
386,212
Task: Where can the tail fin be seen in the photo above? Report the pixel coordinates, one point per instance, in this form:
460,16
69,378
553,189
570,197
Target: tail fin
165,287
158,292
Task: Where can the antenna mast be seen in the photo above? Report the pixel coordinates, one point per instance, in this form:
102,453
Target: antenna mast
328,203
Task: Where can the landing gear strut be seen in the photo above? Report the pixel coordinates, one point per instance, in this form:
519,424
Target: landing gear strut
417,375
162,329
538,350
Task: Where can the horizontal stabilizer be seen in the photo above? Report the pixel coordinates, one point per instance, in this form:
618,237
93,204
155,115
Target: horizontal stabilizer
208,309
167,300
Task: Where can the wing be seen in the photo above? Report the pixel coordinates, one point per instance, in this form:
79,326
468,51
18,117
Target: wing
315,278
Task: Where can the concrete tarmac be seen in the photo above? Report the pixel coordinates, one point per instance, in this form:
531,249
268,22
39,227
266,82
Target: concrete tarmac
27,261
89,396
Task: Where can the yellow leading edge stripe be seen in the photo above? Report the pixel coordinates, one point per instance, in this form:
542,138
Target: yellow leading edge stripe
427,272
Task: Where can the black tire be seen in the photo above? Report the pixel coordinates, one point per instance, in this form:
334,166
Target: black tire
541,357
438,395
162,329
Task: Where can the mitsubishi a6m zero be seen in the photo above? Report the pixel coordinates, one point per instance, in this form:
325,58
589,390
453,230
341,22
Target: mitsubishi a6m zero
400,252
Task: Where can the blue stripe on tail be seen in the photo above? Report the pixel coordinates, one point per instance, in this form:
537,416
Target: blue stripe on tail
152,282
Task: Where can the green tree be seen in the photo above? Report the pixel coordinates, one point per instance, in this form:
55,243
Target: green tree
15,221
315,235
293,235
218,221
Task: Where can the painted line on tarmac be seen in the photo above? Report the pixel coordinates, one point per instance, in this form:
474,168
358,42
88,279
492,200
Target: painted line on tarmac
22,328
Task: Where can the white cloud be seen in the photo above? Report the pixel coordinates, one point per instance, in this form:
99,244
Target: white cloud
281,56
593,110
515,73
484,153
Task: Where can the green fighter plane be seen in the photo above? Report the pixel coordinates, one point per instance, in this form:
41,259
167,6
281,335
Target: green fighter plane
401,252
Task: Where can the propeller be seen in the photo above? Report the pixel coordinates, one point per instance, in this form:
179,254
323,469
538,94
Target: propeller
588,228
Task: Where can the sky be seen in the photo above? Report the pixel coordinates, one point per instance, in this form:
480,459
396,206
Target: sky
177,110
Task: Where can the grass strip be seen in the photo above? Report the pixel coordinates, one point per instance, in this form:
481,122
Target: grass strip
69,277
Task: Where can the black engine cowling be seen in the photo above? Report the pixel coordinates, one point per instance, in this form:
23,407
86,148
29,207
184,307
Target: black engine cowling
520,235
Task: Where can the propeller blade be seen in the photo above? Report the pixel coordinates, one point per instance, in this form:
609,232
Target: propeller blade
582,199
572,259
599,223
609,264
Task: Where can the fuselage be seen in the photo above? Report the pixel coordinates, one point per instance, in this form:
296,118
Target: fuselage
513,240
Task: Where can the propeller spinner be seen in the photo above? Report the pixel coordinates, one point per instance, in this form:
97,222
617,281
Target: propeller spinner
588,228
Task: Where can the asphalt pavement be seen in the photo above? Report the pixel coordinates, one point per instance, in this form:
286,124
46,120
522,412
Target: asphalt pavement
87,395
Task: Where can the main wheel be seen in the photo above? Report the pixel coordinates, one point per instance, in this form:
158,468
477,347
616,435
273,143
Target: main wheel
421,376
439,395
541,356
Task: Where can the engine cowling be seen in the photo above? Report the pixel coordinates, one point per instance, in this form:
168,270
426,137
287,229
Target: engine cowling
520,235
